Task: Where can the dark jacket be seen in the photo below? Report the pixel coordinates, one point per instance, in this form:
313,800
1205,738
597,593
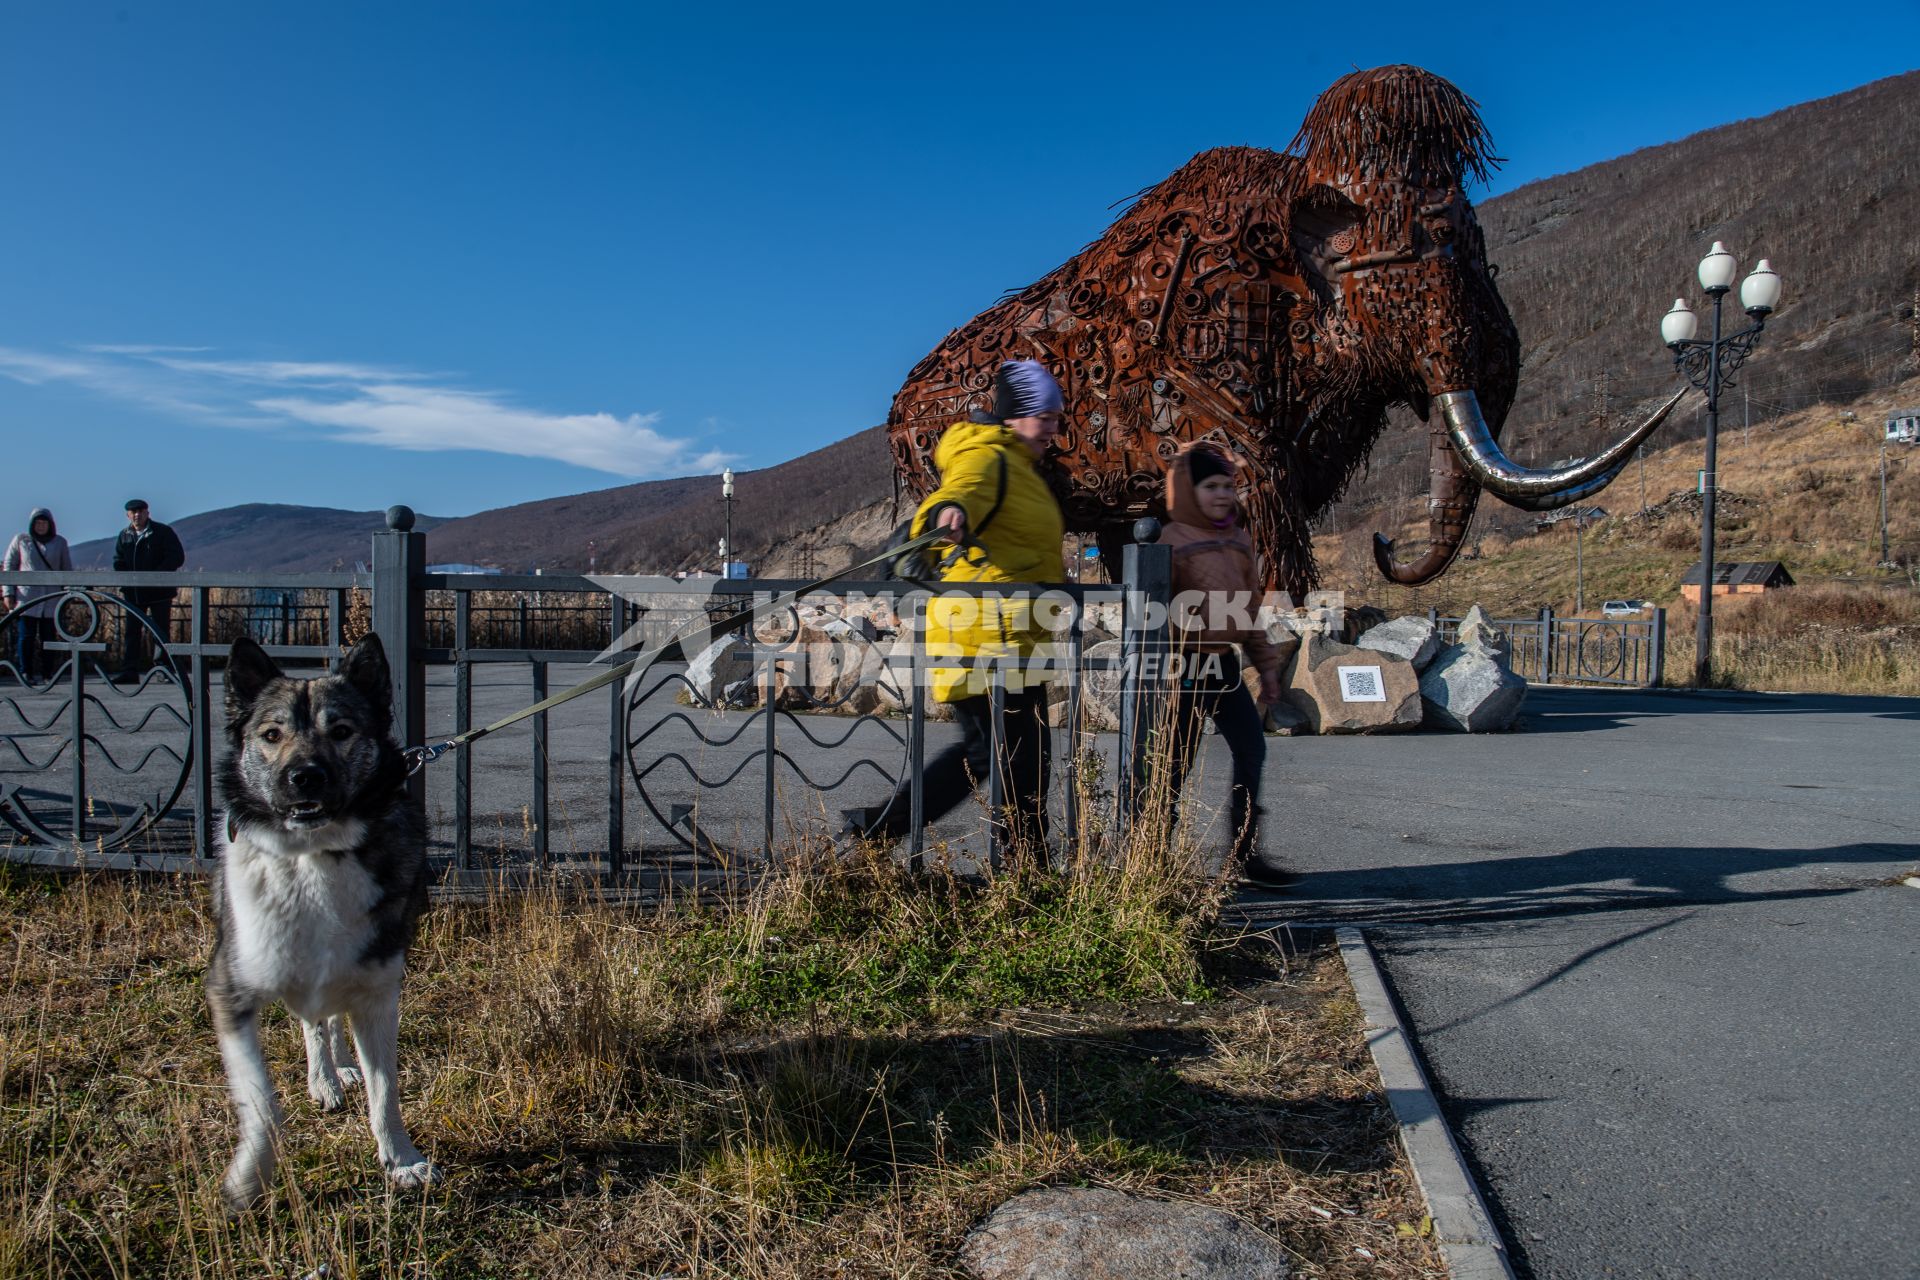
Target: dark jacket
156,549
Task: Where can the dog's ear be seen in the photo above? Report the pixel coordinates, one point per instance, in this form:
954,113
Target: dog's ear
365,668
249,670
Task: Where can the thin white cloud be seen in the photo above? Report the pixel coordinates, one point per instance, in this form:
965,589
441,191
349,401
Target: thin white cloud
403,416
293,371
136,349
33,368
363,404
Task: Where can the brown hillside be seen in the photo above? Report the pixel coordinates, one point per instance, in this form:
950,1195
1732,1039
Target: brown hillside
1802,489
661,525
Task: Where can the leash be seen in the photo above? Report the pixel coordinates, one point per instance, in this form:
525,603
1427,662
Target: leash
420,757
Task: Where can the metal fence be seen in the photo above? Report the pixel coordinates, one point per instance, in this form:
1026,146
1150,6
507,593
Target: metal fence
109,735
109,730
1550,649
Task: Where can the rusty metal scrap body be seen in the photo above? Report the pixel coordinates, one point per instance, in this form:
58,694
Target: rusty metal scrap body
1273,302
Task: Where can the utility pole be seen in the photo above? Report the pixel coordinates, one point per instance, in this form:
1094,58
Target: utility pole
1885,557
1914,355
1641,453
1579,565
1746,425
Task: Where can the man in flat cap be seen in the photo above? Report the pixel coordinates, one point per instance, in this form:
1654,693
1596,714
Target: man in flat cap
145,546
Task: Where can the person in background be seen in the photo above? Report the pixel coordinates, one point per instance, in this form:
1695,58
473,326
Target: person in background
1005,526
1213,558
40,549
145,546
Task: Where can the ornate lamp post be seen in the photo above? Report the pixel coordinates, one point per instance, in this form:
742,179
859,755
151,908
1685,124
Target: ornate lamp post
1709,364
726,543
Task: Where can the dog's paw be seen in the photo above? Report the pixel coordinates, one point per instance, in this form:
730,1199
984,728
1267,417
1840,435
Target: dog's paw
350,1077
415,1175
328,1095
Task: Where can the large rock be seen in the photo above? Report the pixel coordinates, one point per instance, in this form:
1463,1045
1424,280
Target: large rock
1478,629
1284,720
720,674
1092,1233
1340,688
1412,637
1471,685
894,682
830,664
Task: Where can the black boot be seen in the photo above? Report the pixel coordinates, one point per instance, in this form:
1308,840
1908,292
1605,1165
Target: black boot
1251,866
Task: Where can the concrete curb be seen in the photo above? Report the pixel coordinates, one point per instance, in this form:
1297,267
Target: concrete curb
1468,1241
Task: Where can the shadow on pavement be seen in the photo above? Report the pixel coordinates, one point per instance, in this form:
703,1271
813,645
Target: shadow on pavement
1603,878
1560,710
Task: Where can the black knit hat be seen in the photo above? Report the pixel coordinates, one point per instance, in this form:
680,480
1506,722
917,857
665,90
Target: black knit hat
1204,462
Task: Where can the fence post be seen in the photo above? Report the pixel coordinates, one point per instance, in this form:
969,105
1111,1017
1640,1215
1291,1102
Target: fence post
1657,666
1546,645
400,620
1147,572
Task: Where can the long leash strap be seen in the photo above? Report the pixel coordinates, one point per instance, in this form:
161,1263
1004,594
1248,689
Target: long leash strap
419,757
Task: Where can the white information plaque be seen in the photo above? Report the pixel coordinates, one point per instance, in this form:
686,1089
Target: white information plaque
1362,684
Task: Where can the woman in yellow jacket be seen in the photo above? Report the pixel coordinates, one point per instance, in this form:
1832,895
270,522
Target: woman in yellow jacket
1006,527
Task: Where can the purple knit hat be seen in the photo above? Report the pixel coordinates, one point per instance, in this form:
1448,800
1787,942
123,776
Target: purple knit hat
1024,389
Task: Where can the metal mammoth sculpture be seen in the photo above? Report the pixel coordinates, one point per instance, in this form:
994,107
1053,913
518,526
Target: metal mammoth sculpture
1277,303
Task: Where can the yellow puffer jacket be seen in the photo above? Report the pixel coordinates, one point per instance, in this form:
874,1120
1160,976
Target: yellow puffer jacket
1020,544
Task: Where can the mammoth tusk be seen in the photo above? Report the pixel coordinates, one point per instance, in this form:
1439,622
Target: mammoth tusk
1500,475
1572,493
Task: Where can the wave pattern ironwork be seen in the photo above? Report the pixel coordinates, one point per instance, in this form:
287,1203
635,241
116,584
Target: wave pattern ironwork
747,716
73,667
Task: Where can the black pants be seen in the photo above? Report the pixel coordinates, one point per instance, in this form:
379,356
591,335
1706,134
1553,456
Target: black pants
951,775
137,655
1222,695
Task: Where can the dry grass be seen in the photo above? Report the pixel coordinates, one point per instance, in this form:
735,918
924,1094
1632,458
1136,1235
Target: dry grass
1828,638
834,1077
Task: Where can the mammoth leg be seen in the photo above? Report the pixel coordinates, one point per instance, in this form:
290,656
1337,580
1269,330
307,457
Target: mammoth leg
1451,498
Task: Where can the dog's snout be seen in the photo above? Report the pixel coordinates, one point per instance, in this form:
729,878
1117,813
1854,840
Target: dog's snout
305,779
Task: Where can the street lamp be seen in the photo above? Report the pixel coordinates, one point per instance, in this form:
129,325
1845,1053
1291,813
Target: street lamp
726,544
1709,364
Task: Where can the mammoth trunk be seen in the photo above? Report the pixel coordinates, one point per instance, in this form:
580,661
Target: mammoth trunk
1451,497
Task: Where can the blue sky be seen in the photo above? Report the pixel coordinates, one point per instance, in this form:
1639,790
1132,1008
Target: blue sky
462,255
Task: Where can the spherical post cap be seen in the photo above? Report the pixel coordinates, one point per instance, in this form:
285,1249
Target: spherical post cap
1146,529
400,519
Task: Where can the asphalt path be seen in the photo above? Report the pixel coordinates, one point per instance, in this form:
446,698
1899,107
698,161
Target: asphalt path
1655,953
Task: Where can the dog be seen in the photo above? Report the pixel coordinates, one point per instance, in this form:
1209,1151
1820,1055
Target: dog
320,885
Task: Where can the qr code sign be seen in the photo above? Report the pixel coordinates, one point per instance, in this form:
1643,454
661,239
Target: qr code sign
1361,684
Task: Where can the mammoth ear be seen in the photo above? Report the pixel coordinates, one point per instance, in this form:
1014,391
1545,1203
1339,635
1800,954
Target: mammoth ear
249,670
365,668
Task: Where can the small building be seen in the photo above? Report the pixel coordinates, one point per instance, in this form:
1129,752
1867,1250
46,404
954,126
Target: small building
1903,426
1744,579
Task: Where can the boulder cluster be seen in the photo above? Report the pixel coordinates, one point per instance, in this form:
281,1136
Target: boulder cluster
1397,676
